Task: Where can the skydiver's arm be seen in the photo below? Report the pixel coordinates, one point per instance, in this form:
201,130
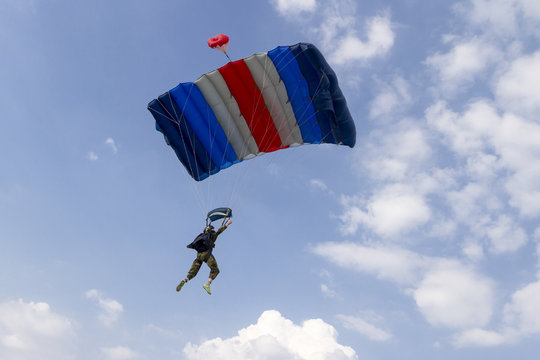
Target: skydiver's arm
222,229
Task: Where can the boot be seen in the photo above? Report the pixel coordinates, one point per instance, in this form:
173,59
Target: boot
207,288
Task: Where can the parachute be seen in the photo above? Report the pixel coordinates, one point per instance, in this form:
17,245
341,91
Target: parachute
219,213
220,42
282,98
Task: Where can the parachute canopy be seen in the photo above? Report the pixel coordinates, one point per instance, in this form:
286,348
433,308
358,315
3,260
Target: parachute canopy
285,97
219,213
219,42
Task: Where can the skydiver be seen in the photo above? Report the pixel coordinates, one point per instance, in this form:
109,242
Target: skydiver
204,254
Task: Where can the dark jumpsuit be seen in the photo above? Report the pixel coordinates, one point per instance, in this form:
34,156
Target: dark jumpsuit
206,256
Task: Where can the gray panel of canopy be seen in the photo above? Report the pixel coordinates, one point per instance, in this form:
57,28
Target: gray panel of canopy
226,109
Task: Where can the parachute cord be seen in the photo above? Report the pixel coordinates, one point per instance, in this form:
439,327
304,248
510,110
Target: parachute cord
292,161
194,186
300,119
314,124
177,121
246,190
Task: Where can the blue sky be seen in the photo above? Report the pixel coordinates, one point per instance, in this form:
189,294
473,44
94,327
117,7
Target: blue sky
421,242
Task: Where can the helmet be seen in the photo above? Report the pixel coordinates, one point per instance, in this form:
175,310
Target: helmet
208,228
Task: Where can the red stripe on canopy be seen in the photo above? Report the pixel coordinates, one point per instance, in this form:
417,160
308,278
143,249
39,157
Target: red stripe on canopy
252,106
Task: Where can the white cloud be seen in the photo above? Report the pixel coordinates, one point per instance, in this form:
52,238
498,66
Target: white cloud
473,250
453,296
521,320
390,98
505,235
476,207
518,89
92,156
379,39
120,353
514,140
470,204
447,292
30,330
274,337
294,7
327,291
462,63
364,327
394,210
396,153
483,167
389,263
339,31
326,287
110,308
465,135
481,338
500,15
531,8
502,18
523,312
318,184
112,144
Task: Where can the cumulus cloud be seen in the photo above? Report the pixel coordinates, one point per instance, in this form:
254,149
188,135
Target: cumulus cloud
364,327
505,235
391,97
343,36
326,286
463,63
385,262
92,156
31,330
377,41
521,320
476,207
453,296
319,185
112,144
485,193
502,18
447,292
294,7
120,353
110,308
397,153
523,311
275,337
512,139
392,211
327,291
500,15
481,338
517,88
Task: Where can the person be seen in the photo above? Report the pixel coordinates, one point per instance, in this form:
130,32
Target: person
207,257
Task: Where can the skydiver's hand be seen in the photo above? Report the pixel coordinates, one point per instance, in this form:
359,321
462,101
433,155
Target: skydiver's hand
228,223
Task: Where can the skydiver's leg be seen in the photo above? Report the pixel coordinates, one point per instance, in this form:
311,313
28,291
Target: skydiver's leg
192,271
194,267
214,270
